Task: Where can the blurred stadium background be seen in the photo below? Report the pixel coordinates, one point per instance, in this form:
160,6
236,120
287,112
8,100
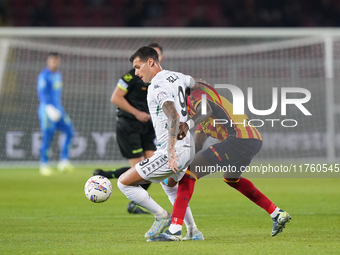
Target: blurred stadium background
248,43
173,13
222,52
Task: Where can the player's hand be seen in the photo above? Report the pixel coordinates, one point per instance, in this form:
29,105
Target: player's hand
183,130
143,116
172,161
53,113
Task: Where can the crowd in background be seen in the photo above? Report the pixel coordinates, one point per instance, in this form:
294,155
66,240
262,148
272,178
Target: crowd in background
171,13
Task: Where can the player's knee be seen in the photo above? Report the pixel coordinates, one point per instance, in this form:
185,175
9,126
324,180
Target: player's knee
123,188
231,181
169,182
135,194
120,185
233,174
121,178
190,174
124,179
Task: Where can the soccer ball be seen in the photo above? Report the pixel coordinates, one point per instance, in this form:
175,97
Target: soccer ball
98,189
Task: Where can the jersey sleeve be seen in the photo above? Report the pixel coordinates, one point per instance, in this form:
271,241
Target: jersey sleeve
44,90
189,82
196,98
199,129
126,82
191,105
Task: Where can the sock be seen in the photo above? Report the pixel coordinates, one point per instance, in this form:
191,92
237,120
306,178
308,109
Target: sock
276,211
188,218
184,193
175,228
145,186
171,192
140,196
120,171
248,189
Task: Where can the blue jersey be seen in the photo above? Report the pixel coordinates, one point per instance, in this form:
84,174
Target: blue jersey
50,88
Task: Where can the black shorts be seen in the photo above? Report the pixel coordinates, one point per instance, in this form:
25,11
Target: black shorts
232,153
134,137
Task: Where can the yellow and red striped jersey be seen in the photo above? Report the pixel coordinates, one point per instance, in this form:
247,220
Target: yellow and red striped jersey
235,125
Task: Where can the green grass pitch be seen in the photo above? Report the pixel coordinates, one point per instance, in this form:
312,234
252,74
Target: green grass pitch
51,215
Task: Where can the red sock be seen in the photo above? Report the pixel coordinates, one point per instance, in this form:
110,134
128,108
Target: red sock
248,189
184,193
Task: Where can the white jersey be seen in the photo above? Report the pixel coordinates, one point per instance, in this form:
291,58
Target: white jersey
168,86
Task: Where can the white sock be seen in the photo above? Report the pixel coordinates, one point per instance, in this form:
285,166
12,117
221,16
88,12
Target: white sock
276,211
175,228
171,192
188,218
141,197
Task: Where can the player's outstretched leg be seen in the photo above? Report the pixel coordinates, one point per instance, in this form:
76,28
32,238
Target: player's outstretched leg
134,208
184,193
141,197
108,174
279,222
111,174
247,188
192,232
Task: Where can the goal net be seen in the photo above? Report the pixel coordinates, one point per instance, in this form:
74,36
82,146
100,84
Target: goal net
93,61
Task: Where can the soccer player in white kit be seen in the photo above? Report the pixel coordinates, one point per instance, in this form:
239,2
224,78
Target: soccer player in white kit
167,106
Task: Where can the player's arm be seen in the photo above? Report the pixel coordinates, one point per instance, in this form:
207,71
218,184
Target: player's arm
199,117
118,98
200,139
195,120
199,83
195,83
169,110
44,95
44,90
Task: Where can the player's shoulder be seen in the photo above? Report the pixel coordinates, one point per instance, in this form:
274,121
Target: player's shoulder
130,76
173,74
45,76
44,72
158,81
166,77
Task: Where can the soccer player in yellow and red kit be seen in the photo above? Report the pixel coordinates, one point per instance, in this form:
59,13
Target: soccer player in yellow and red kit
238,143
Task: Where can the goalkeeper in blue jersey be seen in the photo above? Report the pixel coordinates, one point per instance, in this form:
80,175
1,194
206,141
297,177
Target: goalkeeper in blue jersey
52,115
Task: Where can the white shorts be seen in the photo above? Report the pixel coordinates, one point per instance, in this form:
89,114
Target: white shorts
156,168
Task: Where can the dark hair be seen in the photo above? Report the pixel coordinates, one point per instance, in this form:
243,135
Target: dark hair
53,54
155,45
144,53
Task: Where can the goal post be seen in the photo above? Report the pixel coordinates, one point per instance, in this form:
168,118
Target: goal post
93,59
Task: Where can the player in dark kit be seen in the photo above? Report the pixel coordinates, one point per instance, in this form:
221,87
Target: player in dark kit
135,133
239,143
